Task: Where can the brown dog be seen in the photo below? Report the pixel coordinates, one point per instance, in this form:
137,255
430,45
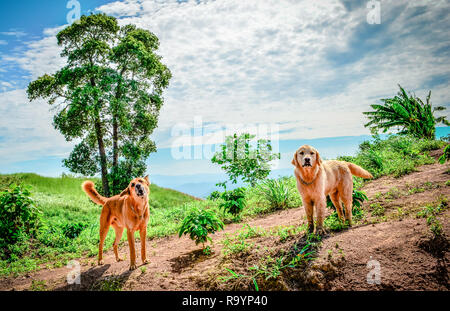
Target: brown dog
128,210
317,179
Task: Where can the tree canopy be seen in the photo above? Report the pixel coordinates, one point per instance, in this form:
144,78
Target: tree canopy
108,96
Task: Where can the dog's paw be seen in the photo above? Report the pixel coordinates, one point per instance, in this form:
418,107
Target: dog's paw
321,231
118,259
133,266
101,262
145,261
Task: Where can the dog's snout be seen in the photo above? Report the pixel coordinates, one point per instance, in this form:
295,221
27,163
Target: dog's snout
307,160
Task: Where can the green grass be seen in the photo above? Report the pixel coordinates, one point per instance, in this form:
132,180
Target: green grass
397,155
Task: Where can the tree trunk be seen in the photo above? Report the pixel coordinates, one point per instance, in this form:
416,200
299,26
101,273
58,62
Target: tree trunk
103,160
115,162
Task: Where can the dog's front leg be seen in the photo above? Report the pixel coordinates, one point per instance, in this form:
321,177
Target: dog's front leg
130,236
143,235
320,206
309,214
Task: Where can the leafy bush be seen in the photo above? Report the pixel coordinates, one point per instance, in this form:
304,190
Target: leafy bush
198,223
233,201
214,195
73,230
19,217
397,154
276,192
446,156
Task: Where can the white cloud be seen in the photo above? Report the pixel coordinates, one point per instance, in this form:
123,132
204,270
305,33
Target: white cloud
26,131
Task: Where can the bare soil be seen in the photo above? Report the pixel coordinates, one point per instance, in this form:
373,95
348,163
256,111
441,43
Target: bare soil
409,256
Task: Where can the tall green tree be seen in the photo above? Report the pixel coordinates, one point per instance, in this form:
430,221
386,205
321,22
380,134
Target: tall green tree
240,160
108,96
407,112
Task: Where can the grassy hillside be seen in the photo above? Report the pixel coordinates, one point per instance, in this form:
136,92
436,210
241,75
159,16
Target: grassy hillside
70,221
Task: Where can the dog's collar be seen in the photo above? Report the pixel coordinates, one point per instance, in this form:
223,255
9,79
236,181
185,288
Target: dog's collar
304,182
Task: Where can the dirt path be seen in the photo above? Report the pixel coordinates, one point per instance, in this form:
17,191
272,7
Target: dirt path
176,263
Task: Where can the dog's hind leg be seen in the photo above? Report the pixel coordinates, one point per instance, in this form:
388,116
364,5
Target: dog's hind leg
119,232
348,202
337,204
104,227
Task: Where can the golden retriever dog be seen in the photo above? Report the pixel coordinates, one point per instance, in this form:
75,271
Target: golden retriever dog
317,179
129,209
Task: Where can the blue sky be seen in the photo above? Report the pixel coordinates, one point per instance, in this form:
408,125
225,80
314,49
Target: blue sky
309,67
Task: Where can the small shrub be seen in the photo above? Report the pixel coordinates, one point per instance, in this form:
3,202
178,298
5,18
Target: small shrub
199,223
377,209
19,217
446,156
233,201
73,230
214,195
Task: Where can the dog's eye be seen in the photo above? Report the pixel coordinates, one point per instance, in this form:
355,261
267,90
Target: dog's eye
312,153
302,153
132,184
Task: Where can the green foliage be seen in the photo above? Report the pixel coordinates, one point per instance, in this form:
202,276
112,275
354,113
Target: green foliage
233,201
397,154
239,159
73,230
276,192
19,218
430,212
108,95
214,195
377,209
446,156
199,223
407,112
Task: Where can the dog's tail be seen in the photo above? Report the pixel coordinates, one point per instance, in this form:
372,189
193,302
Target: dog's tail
89,188
359,171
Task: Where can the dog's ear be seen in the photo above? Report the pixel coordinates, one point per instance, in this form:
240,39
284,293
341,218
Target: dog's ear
125,192
147,180
318,159
294,160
